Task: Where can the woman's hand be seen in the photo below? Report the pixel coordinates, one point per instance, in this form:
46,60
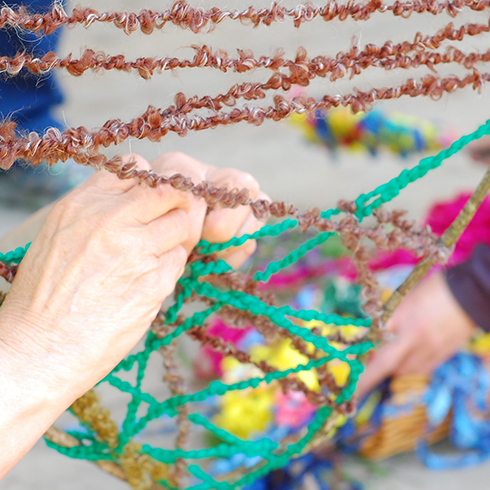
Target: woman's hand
429,325
108,255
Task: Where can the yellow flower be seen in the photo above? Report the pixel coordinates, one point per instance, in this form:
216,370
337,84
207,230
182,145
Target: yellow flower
340,370
282,355
245,412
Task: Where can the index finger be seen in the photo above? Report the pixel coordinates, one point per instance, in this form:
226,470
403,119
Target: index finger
143,203
222,224
152,203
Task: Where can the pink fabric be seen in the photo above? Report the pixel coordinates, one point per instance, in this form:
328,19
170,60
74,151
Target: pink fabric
439,217
208,363
293,409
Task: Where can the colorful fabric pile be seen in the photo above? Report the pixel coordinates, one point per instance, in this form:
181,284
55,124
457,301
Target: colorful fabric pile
373,131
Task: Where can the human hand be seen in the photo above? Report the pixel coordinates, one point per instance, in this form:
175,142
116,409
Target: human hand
429,325
108,255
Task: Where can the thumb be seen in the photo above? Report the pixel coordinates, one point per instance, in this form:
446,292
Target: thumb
384,363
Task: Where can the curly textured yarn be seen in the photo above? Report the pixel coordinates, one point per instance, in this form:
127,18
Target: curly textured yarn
181,14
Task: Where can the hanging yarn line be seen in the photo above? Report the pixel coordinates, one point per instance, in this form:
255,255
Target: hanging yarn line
388,56
183,15
209,283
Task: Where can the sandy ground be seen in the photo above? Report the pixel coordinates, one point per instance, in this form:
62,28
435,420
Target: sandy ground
287,168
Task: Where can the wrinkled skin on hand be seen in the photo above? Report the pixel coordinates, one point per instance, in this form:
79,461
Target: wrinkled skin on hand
429,327
108,255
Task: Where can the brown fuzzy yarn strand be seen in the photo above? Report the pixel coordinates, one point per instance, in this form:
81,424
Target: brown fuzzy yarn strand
302,69
83,145
183,15
206,57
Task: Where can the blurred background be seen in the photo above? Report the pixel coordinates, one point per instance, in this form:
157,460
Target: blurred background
287,167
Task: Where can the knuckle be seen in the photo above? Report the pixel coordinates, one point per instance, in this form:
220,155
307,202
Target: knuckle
175,162
180,256
178,260
176,155
244,180
220,230
104,181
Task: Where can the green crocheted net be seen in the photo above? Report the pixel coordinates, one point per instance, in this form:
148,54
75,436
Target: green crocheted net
274,454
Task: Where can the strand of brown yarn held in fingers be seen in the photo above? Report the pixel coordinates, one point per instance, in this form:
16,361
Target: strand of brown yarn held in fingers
302,68
183,15
83,145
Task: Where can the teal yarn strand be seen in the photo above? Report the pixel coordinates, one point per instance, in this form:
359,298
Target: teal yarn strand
391,189
292,258
169,456
15,256
95,452
267,231
261,446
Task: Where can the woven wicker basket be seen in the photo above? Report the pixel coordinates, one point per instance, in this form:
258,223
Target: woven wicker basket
400,433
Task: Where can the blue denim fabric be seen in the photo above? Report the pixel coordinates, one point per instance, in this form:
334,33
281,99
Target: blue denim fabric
26,98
